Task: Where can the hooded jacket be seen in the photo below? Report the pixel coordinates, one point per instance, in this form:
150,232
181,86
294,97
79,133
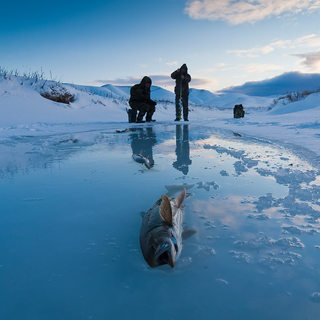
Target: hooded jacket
140,94
182,86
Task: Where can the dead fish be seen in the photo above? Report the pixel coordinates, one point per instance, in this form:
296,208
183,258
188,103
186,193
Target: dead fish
125,130
162,231
141,159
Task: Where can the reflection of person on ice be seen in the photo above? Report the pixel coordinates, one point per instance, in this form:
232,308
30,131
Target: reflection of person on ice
142,142
182,149
182,91
140,101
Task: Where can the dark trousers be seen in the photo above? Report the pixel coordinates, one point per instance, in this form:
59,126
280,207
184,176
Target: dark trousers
144,108
184,101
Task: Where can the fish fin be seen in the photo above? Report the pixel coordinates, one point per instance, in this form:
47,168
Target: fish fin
187,233
174,189
165,210
180,198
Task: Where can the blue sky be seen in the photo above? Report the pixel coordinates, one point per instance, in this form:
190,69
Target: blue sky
223,42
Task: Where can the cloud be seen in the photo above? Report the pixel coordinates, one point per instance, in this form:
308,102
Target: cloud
258,51
157,80
308,41
172,63
241,11
261,68
310,60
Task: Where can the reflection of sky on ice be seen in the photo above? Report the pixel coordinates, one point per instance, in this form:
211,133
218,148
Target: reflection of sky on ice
70,226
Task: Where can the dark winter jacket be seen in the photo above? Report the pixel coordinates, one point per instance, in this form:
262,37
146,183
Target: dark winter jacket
139,94
182,86
238,111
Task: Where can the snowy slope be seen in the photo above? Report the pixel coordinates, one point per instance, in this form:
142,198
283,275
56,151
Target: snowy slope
23,104
203,97
23,109
310,102
157,93
197,97
228,101
280,85
121,91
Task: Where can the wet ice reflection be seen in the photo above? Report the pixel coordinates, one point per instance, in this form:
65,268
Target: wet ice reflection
70,214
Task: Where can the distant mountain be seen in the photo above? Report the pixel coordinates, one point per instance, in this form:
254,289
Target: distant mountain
280,85
120,91
251,94
157,93
197,97
203,97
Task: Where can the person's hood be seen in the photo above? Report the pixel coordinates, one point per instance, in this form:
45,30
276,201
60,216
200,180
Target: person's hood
184,66
145,80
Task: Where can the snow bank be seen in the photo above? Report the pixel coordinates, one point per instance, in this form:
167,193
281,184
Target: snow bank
22,107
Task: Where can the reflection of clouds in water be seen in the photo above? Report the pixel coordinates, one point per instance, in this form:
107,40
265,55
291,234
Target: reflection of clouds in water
224,173
268,252
258,216
252,153
262,241
241,256
272,260
230,212
207,185
303,197
290,177
241,166
266,202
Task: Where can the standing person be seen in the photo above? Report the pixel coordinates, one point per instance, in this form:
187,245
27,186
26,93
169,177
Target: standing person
182,91
140,100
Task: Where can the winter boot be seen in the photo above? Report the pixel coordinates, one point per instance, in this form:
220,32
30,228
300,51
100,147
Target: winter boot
132,115
185,113
149,117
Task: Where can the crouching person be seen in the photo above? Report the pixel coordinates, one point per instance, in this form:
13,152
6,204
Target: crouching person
140,101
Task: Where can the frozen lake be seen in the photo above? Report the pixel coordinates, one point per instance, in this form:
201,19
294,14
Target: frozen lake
71,208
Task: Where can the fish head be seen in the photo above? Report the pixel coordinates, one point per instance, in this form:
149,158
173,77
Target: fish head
166,253
163,249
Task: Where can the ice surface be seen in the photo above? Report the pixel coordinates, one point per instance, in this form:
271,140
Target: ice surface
70,217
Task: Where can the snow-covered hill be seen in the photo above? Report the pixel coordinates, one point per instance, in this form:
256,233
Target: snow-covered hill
157,93
197,97
289,118
280,85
